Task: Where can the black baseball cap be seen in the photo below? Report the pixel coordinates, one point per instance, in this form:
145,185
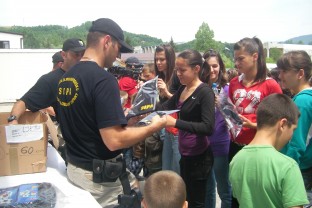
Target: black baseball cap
132,60
110,27
74,44
57,57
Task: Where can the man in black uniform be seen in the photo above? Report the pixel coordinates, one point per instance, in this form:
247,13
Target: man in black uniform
57,60
43,93
91,116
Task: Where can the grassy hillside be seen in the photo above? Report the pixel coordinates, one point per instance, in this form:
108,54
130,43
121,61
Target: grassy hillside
53,36
304,39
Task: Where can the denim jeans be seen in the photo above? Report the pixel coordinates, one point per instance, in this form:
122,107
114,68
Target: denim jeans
170,154
127,154
219,176
307,178
234,149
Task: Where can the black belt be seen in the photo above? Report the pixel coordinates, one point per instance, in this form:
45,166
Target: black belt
88,165
85,166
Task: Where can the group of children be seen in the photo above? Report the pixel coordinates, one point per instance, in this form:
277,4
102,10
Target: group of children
267,164
261,176
248,169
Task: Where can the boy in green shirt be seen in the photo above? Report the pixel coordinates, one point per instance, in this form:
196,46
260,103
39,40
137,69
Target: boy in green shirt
261,176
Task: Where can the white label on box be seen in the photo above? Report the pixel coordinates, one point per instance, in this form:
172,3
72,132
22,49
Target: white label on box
23,133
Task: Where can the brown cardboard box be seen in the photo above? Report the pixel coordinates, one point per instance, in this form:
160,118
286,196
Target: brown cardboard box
26,157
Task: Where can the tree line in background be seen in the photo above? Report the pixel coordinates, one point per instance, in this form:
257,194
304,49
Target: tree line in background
53,36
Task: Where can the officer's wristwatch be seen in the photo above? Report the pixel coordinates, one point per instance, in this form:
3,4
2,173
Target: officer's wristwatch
11,118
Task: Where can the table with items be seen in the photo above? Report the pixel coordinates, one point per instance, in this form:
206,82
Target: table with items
46,189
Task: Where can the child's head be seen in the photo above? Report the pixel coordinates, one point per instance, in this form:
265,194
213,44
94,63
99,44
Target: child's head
277,108
213,68
274,108
148,71
164,60
164,189
249,56
295,69
188,66
231,73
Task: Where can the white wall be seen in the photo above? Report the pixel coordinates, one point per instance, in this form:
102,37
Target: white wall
288,47
14,39
20,69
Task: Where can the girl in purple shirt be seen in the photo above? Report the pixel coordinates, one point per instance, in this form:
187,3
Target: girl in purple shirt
214,72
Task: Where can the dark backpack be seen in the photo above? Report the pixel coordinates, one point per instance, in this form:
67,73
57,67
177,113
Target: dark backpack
153,153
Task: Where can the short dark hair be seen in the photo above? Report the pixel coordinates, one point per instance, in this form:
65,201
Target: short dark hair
93,38
165,189
275,107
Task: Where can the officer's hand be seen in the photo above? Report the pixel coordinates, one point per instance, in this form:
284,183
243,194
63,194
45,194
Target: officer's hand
159,121
171,122
134,120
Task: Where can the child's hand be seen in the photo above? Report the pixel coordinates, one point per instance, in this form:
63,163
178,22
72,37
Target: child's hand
163,88
139,85
248,123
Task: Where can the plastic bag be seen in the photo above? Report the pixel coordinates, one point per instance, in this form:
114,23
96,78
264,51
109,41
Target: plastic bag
148,119
230,114
28,195
145,101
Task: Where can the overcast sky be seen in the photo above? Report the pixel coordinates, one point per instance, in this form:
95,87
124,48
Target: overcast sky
270,20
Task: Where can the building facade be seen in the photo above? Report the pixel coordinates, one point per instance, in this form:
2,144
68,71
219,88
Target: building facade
11,40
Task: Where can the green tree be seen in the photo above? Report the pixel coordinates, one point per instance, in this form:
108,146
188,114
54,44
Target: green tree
183,46
172,44
300,42
53,36
228,62
275,53
31,41
229,50
128,40
269,60
204,38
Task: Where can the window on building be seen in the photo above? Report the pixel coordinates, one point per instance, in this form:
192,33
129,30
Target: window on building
5,44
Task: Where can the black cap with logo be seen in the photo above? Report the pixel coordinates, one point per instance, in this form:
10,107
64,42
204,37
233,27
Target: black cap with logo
110,27
74,44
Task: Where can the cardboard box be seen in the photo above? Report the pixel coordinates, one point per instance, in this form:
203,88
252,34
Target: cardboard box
24,157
